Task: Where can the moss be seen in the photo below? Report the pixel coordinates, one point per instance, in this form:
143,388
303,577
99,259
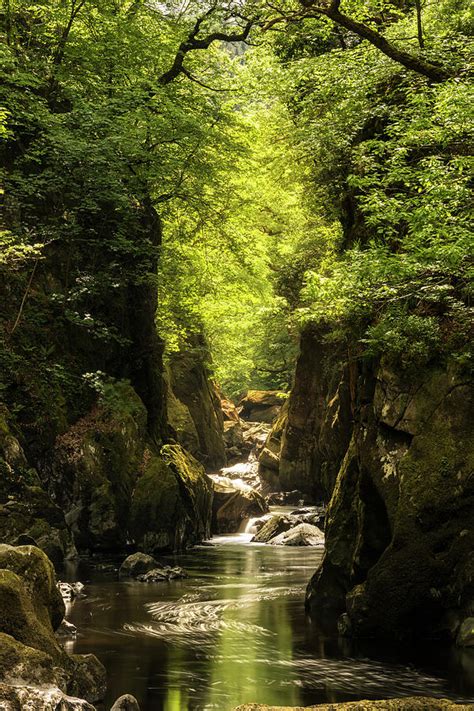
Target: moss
18,660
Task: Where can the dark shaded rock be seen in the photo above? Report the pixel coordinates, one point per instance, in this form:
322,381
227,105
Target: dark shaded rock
319,418
261,405
399,535
194,392
158,575
465,636
233,504
126,703
28,516
137,564
31,608
96,464
172,502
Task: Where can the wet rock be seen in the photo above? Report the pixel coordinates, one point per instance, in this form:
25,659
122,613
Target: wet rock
16,697
273,527
465,636
126,703
261,405
158,575
31,608
66,629
233,503
137,564
302,535
288,498
70,590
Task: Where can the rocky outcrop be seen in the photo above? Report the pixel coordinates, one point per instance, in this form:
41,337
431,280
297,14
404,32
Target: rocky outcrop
31,609
309,440
269,458
172,501
261,405
399,535
194,407
95,467
27,511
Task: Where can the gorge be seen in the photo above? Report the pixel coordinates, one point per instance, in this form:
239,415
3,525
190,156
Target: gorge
236,353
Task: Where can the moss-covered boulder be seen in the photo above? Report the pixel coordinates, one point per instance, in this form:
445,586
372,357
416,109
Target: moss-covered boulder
95,467
171,503
26,508
261,405
31,608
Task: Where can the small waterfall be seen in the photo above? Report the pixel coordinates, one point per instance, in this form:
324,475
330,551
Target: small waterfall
248,525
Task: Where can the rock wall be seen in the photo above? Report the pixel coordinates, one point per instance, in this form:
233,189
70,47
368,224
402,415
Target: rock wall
309,438
193,405
399,535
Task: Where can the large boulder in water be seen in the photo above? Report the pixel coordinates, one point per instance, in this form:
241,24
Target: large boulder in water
233,503
31,608
172,502
137,564
304,534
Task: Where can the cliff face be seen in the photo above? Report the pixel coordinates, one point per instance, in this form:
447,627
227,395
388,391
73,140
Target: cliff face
84,401
399,535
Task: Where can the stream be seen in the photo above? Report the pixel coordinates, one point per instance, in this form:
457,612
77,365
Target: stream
235,631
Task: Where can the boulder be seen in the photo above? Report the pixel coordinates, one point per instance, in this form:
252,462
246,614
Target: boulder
126,703
31,608
275,525
159,575
137,564
261,405
15,698
233,503
230,412
172,502
304,534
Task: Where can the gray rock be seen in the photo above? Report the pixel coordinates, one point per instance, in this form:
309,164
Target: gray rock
66,629
126,703
137,564
302,535
41,698
158,575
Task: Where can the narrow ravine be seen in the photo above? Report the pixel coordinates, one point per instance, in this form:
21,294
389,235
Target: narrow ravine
235,631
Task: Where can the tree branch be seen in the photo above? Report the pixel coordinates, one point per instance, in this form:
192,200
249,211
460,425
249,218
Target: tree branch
421,66
193,43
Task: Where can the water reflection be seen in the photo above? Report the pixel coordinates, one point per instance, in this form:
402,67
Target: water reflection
235,632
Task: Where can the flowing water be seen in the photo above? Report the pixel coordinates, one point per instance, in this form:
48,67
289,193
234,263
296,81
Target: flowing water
235,631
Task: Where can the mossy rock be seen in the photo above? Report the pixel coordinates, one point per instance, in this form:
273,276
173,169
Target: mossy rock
171,503
18,661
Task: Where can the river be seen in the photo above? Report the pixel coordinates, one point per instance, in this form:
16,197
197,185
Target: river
235,631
